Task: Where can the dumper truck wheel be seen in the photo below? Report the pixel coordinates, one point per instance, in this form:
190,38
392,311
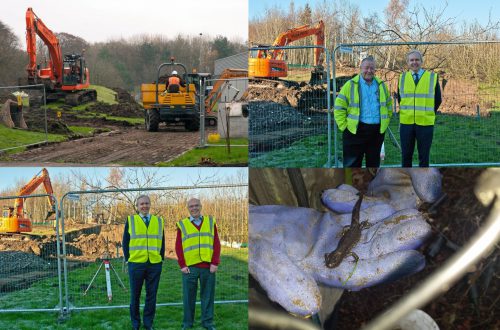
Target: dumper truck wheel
152,120
192,125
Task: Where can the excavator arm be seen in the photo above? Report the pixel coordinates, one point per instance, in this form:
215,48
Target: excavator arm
34,27
216,92
285,38
30,187
270,63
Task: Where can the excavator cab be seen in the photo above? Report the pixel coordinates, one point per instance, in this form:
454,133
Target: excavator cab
73,74
271,63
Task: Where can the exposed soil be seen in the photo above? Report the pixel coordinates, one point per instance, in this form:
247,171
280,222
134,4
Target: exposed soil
472,303
32,257
114,141
118,146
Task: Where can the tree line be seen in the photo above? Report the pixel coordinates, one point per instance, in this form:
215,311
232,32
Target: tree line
124,63
228,204
400,22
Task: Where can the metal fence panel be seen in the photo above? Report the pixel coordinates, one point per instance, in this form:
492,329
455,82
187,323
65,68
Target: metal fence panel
226,109
289,118
94,242
29,261
31,116
466,129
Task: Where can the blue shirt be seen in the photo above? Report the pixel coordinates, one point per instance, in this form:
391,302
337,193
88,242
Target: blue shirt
370,101
196,221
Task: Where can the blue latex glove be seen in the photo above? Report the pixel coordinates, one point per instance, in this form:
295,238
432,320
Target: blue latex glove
288,246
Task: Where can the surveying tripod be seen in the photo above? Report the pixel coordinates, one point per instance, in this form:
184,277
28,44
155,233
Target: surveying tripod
108,267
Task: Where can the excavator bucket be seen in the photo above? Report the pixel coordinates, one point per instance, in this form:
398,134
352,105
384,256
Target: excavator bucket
12,115
318,76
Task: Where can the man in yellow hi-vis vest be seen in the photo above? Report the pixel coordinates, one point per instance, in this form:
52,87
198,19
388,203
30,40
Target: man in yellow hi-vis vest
419,97
363,110
144,250
198,253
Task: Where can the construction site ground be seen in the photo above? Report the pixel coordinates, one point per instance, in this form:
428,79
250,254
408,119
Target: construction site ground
32,257
115,140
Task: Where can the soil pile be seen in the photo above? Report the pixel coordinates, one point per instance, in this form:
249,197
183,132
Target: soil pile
20,262
34,117
303,97
122,96
129,110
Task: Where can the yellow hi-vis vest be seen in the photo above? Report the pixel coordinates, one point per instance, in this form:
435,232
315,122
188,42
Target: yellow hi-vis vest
145,242
347,106
198,246
417,102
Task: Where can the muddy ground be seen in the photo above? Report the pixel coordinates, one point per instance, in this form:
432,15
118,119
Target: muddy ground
114,141
472,303
31,257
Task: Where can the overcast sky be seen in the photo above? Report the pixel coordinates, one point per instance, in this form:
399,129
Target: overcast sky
102,20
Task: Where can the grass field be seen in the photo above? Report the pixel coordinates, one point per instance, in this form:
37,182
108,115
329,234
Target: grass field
17,137
219,155
232,284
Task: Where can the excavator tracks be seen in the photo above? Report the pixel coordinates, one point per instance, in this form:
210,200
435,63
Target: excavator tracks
81,97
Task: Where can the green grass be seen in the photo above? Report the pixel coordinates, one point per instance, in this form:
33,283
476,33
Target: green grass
16,137
219,155
457,140
232,284
82,130
104,94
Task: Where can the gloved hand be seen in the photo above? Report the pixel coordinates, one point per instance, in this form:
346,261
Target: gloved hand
288,244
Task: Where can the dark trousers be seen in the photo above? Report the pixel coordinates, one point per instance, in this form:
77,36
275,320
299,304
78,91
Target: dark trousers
367,141
140,273
411,133
207,296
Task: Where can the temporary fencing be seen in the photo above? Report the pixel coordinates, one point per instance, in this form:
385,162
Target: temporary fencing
289,117
221,107
28,260
466,128
24,107
92,272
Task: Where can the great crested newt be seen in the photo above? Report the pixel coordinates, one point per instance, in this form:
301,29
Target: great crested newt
349,239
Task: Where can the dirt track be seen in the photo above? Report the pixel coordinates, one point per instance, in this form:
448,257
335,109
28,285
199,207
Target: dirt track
131,145
115,141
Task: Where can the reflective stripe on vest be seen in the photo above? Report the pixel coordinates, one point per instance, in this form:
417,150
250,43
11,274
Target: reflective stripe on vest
417,101
197,245
347,106
145,242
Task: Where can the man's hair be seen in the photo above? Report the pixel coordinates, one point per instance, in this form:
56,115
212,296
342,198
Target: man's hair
141,197
193,198
415,51
369,58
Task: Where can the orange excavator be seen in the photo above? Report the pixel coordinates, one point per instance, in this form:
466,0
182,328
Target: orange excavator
215,94
270,63
65,76
13,219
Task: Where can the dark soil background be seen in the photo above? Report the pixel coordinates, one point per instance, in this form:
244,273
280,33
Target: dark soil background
472,303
